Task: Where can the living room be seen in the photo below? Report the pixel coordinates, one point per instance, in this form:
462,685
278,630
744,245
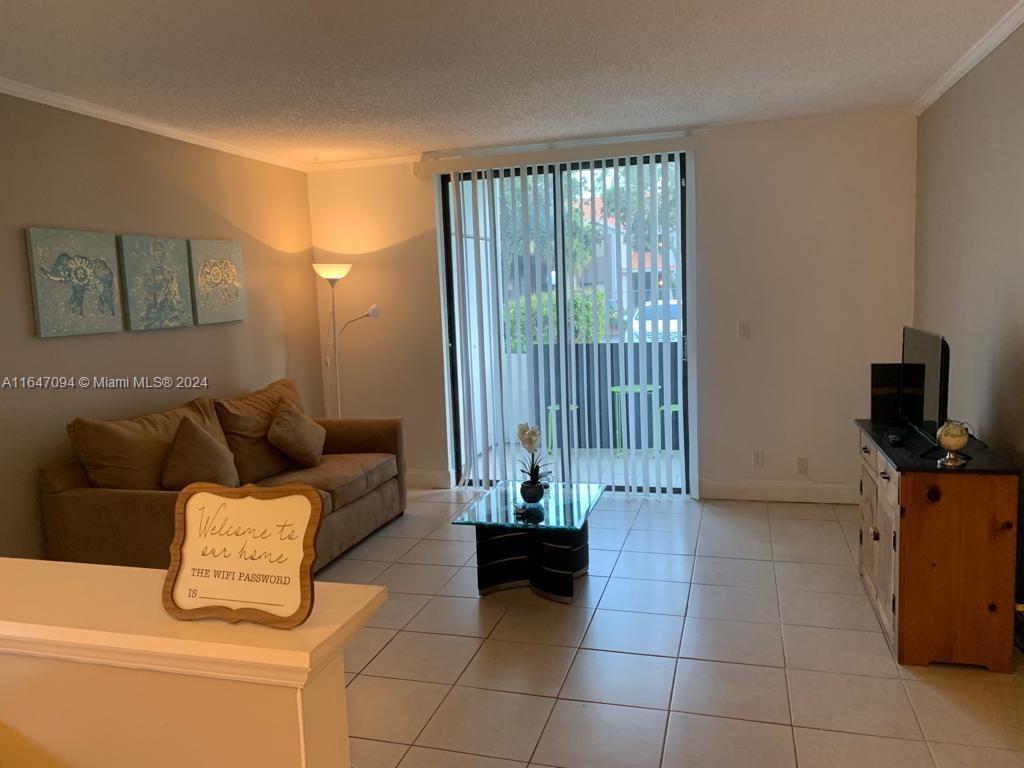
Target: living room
700,249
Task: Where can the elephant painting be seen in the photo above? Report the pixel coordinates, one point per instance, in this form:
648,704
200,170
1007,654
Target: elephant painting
218,280
84,274
75,282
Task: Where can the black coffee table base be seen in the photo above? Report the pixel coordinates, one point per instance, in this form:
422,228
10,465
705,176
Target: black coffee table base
548,560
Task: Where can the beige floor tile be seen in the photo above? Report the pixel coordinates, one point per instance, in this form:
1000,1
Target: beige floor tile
674,503
735,641
587,590
713,742
785,510
607,538
416,579
819,577
448,532
828,749
409,527
850,703
462,584
666,542
649,633
349,677
364,753
809,541
730,572
348,571
428,658
612,518
620,678
547,623
737,508
958,756
851,531
491,723
436,511
733,535
981,709
846,512
586,735
518,668
448,495
731,690
382,548
619,501
461,615
650,565
431,552
602,562
645,596
397,610
733,604
364,645
849,651
821,609
391,710
421,757
668,522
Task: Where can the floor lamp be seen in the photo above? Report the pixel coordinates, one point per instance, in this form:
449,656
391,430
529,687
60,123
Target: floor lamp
332,273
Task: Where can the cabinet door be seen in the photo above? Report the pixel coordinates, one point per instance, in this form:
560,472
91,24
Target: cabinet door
885,562
868,546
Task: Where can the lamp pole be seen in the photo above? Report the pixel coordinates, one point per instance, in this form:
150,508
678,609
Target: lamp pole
334,350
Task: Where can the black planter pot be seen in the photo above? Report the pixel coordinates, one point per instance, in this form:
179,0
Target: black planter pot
531,492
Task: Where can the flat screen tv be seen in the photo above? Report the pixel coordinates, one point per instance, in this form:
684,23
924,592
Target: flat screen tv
924,381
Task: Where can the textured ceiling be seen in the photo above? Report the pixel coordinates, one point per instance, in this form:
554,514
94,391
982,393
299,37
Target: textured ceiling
325,81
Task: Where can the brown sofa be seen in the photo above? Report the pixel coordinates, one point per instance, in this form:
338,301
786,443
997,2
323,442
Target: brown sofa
360,480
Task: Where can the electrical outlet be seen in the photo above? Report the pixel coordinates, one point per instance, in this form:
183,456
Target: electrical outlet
743,330
802,465
758,459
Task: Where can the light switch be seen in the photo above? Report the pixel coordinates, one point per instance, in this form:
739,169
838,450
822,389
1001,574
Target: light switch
743,330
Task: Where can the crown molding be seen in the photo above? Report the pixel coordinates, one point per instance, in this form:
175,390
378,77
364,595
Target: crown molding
89,109
544,146
342,165
1003,28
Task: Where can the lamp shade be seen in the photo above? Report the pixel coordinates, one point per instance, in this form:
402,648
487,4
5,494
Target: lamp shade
373,311
332,271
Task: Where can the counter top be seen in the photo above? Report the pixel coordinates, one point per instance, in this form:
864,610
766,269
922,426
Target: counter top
918,454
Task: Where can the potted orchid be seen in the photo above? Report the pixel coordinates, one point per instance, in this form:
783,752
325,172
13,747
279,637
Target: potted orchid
532,488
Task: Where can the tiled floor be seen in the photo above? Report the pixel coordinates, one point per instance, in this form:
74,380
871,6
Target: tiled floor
715,635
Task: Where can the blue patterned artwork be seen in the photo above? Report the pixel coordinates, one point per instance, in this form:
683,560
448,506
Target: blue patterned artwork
74,282
157,288
218,280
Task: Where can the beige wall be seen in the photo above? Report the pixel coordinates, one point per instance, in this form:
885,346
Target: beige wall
381,219
804,228
970,242
68,171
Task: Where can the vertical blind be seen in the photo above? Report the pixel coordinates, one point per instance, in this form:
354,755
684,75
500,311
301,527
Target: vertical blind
566,292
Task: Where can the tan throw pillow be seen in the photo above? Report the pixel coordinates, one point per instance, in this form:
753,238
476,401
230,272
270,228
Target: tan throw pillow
196,456
295,434
130,453
246,421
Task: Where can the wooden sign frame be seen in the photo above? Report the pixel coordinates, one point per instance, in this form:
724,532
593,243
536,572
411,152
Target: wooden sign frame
235,615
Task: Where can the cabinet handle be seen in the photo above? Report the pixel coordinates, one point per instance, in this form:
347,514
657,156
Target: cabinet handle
875,534
865,450
934,494
885,475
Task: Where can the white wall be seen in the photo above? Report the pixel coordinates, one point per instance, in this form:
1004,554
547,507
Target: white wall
805,228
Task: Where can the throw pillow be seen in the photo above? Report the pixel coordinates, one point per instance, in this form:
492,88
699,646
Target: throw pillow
296,435
196,456
246,421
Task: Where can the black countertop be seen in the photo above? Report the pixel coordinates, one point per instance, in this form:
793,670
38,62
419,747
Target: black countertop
918,454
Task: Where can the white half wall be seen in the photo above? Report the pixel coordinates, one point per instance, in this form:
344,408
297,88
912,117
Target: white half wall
804,229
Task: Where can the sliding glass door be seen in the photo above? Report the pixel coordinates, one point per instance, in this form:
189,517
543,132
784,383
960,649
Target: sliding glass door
566,308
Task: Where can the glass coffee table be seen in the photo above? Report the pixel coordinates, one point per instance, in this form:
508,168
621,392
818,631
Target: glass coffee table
543,546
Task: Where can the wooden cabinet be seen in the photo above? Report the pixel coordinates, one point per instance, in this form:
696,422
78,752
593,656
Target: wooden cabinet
938,549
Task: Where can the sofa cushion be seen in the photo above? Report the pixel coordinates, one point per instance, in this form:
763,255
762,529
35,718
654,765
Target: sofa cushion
345,476
296,435
130,453
196,456
246,421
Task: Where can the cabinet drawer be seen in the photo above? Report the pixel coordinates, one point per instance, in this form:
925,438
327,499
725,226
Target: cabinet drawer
868,453
888,483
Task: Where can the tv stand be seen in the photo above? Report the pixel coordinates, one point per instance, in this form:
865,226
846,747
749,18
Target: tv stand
938,548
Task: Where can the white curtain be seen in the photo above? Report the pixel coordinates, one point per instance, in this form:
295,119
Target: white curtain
568,291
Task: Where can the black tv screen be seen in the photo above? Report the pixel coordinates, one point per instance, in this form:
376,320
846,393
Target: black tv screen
924,381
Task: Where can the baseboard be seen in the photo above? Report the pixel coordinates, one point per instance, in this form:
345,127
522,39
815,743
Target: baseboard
818,493
429,478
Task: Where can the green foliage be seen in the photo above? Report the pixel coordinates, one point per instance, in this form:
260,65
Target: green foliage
589,305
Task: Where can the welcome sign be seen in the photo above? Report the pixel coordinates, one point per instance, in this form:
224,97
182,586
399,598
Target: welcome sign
243,554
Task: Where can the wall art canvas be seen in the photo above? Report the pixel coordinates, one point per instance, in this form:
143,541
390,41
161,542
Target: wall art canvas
218,280
157,286
75,283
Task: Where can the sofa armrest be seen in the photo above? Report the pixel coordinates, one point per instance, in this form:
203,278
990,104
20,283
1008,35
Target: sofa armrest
369,436
110,526
63,476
